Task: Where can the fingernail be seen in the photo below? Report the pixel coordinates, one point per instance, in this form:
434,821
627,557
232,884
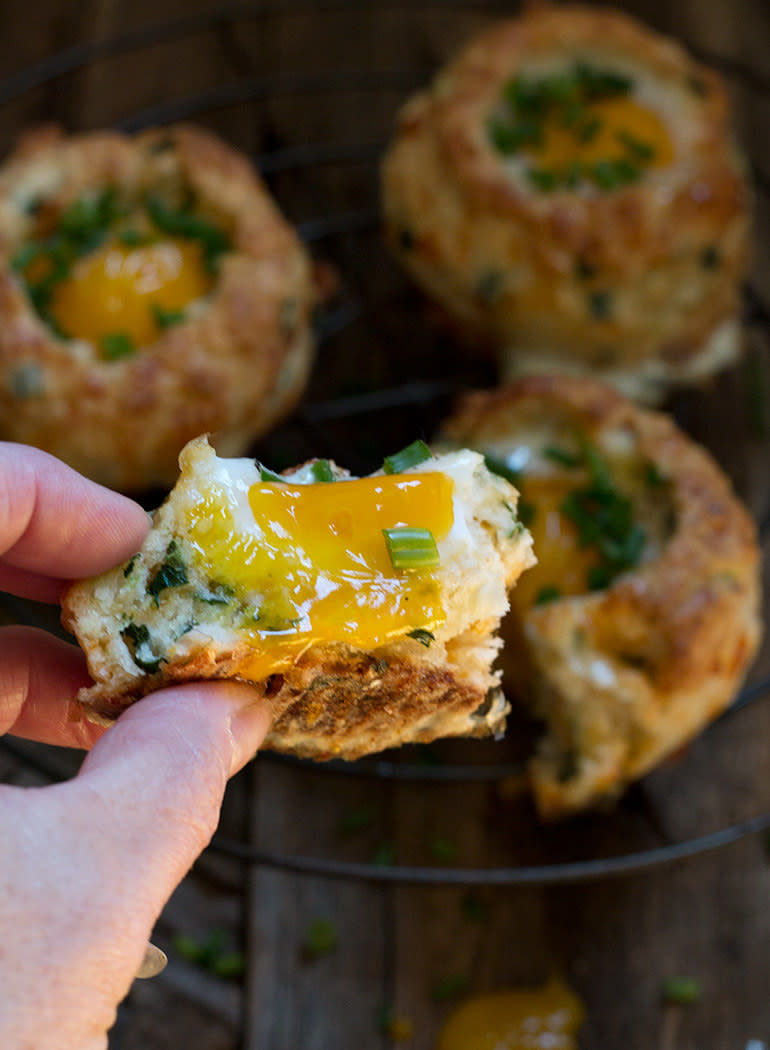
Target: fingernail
248,726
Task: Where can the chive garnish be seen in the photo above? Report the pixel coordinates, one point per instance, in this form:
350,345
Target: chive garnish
641,151
681,990
422,636
499,467
322,471
600,304
137,639
184,223
266,474
562,456
166,318
115,345
417,452
321,939
547,594
411,548
172,572
710,257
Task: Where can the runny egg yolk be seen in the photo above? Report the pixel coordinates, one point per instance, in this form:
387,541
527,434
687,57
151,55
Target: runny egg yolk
546,1018
622,128
313,566
561,563
117,289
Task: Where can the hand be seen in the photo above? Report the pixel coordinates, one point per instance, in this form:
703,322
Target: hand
87,866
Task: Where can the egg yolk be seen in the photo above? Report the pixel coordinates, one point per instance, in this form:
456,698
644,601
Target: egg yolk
621,128
314,566
117,288
561,563
546,1018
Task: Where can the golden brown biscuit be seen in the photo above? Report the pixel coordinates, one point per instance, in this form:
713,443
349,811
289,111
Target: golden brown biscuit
149,290
568,190
289,584
638,623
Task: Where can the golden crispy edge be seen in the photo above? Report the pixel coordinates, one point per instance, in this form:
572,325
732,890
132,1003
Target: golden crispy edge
699,601
232,371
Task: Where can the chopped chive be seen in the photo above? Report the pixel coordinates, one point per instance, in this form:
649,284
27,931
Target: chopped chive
229,965
681,990
562,456
139,644
422,636
489,286
443,850
450,987
183,223
321,939
128,568
549,593
642,151
358,819
417,452
172,572
115,345
588,131
411,548
501,468
265,474
527,512
134,238
710,257
542,179
322,471
166,318
653,476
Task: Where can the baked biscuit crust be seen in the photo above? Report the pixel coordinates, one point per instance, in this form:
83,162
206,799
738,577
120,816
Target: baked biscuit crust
236,364
626,675
638,284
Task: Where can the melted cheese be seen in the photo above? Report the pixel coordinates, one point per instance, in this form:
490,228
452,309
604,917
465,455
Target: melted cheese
311,564
616,118
546,1018
561,562
114,289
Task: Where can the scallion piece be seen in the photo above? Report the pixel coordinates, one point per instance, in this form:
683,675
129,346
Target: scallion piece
417,452
411,548
166,318
322,471
265,474
115,345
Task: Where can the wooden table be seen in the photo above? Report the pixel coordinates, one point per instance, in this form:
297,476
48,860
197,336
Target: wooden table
335,76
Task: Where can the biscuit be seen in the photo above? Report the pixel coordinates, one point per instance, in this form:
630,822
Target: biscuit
150,290
641,618
288,584
569,191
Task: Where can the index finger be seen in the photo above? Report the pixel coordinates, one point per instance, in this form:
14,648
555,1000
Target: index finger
54,522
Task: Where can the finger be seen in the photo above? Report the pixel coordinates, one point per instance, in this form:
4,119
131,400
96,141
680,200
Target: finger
39,678
56,523
151,789
31,584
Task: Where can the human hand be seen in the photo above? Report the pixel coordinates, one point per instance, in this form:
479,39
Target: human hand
87,866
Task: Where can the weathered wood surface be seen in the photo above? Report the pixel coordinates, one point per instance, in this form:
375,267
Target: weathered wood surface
614,940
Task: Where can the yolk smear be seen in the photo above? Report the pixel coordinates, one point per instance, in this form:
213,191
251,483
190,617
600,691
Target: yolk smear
561,562
614,119
315,566
546,1018
115,289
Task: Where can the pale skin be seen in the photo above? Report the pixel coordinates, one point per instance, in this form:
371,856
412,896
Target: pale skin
86,866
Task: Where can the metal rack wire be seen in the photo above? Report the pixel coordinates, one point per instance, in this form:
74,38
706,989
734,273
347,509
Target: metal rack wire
415,402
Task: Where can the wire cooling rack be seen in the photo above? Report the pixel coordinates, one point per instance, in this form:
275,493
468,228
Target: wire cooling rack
328,187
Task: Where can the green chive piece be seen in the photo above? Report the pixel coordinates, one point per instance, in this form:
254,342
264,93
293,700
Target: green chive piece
166,318
322,471
562,456
411,548
134,238
358,819
499,467
265,474
547,594
417,452
422,636
137,639
172,572
681,990
115,345
451,987
229,965
642,151
600,305
183,223
321,939
710,257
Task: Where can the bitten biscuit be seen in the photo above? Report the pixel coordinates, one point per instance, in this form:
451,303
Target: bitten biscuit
150,290
569,191
637,625
365,610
